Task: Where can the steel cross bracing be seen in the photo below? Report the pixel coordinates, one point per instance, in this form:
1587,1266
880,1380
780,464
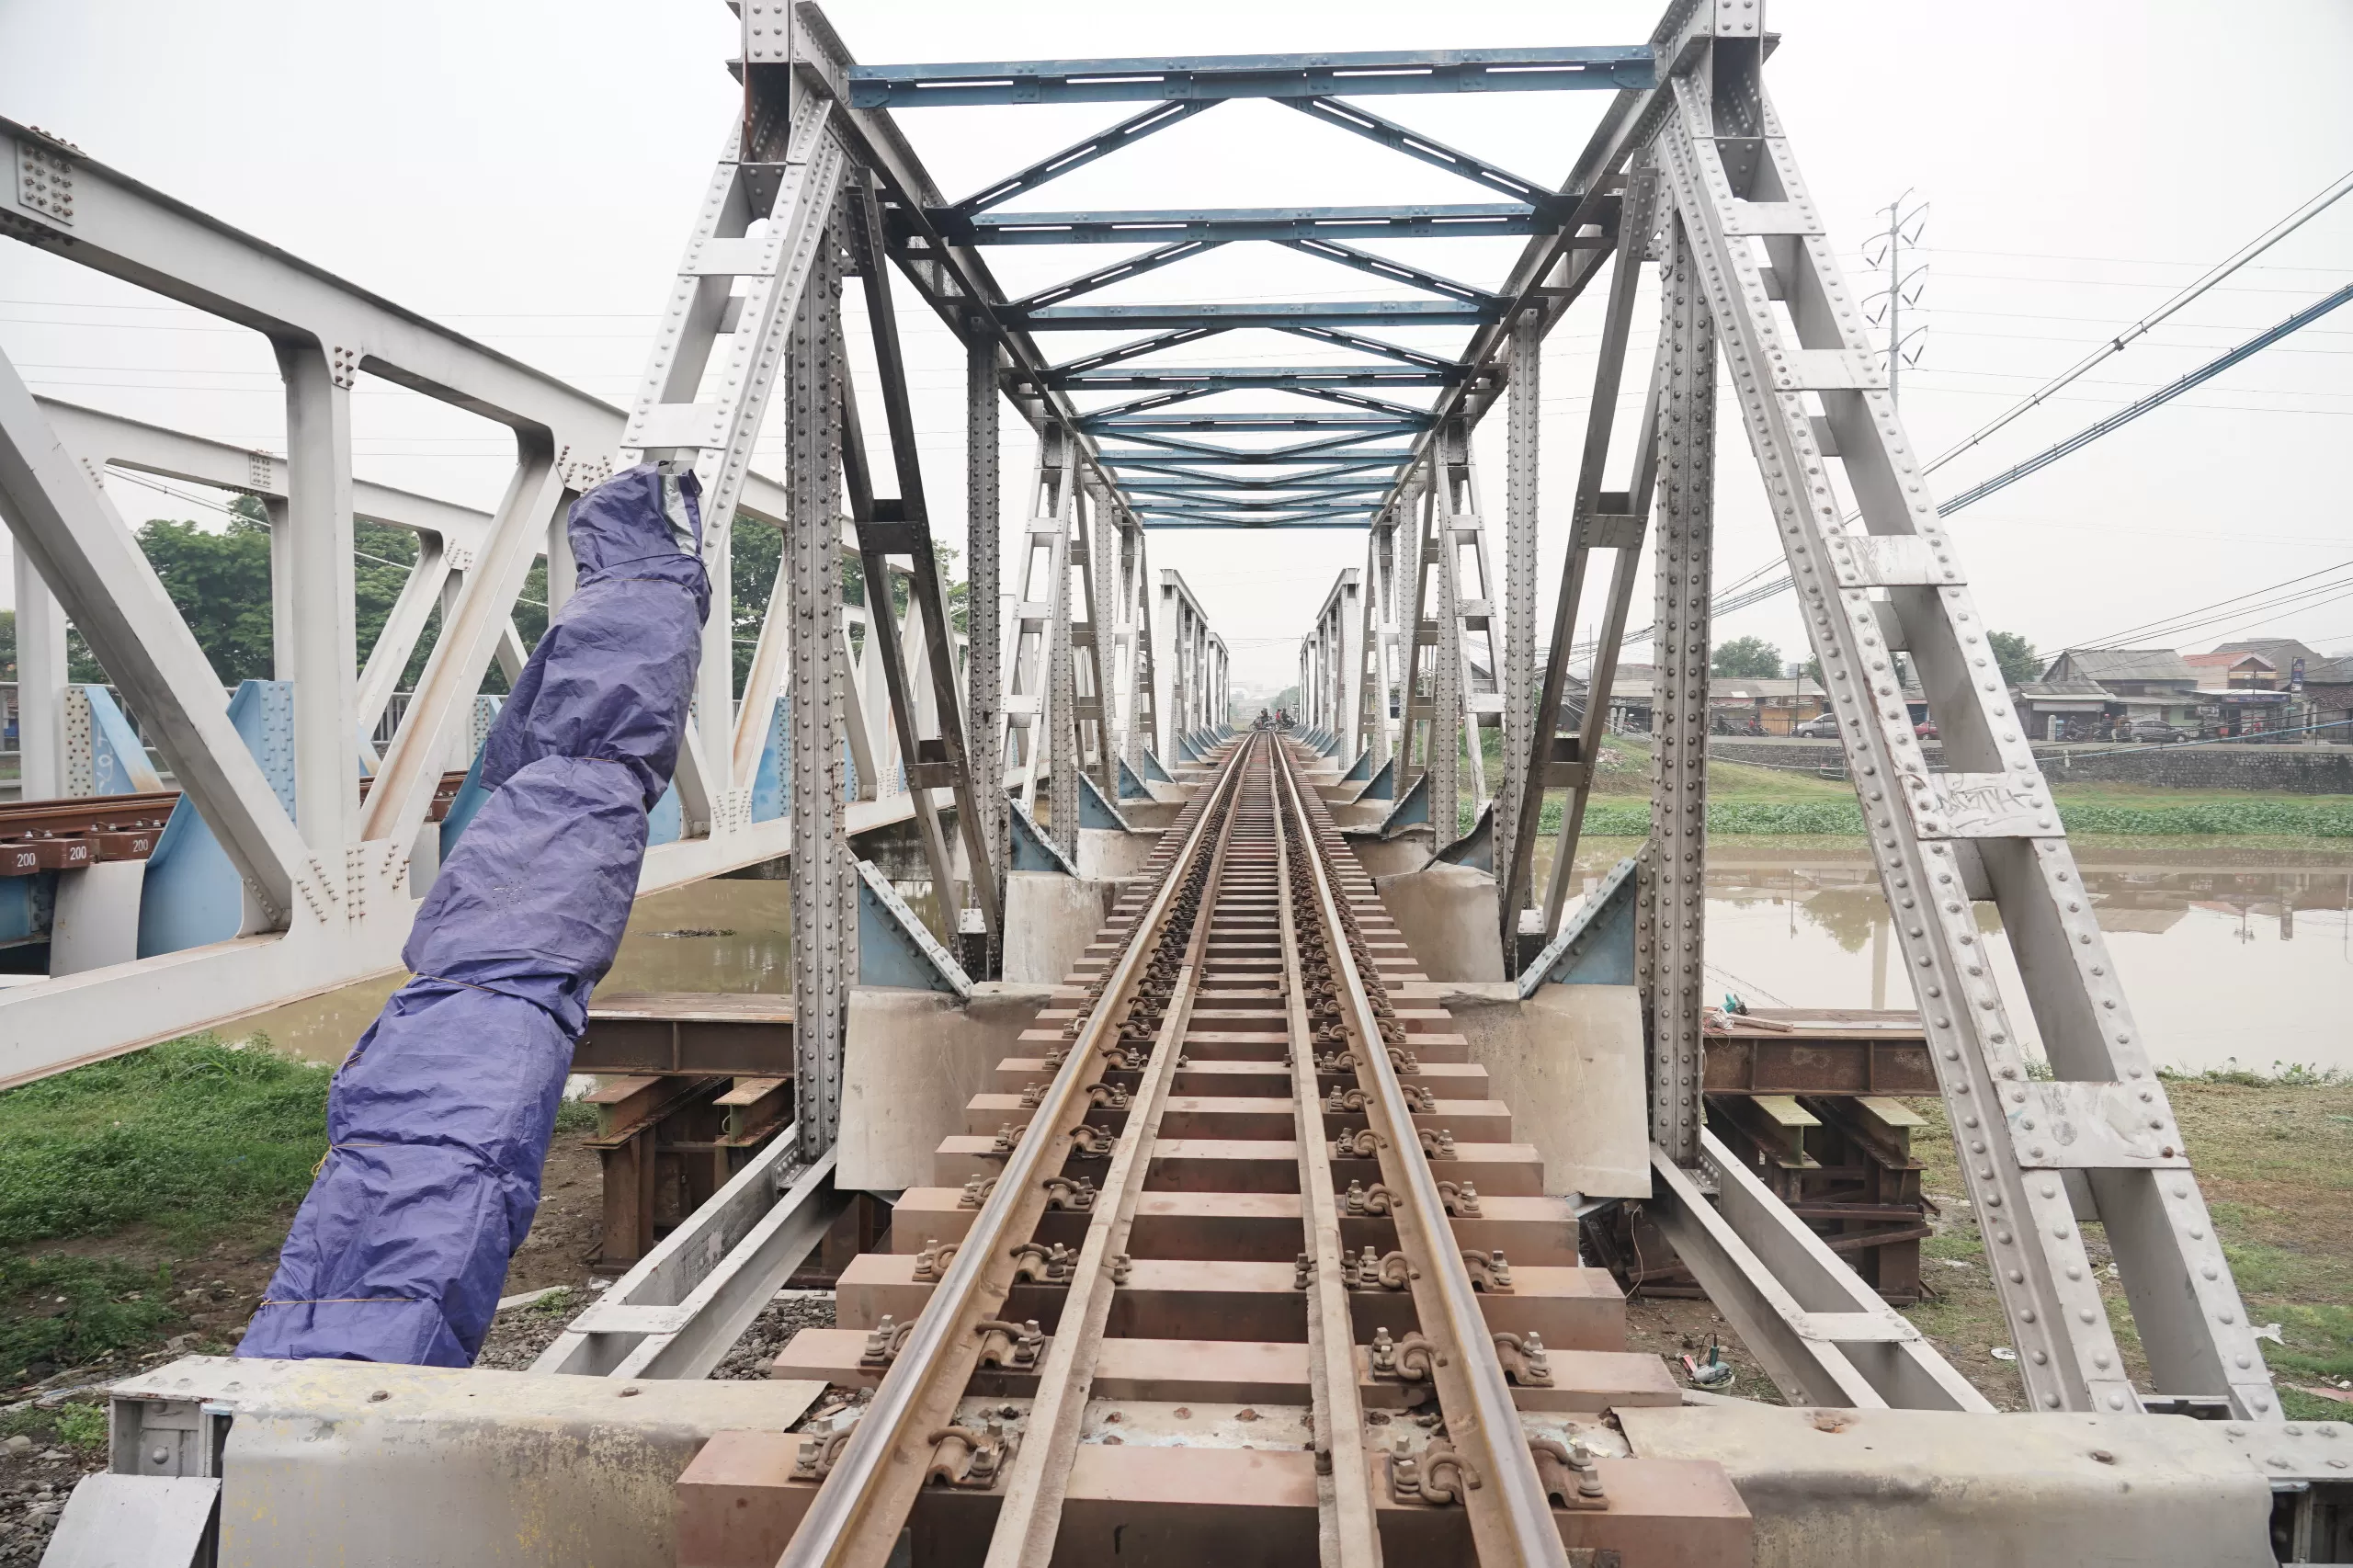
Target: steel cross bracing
1745,263
335,880
332,881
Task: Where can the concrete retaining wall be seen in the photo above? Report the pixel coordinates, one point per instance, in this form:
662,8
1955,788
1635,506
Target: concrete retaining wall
2302,770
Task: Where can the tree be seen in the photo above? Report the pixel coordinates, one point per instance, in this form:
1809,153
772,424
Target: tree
2016,656
1750,656
754,551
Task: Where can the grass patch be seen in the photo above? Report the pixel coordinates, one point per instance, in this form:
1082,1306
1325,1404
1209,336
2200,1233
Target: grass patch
2274,1156
187,1135
58,1309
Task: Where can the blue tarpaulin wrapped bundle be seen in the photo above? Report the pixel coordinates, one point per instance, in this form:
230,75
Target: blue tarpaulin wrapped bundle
439,1122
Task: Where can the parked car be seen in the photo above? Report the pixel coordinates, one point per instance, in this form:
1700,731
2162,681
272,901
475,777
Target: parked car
2158,731
1926,729
1820,727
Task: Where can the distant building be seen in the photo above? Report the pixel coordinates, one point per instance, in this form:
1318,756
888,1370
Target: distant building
2141,683
2235,670
2063,710
2321,687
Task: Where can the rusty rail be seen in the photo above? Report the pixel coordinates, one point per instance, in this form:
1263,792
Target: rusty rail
856,1515
1511,1517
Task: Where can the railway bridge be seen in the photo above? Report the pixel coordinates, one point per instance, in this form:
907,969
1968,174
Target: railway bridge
1247,1152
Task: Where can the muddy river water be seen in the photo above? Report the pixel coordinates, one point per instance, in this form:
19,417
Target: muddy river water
2238,953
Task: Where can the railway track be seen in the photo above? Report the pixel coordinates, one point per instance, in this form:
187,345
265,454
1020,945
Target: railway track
1242,1266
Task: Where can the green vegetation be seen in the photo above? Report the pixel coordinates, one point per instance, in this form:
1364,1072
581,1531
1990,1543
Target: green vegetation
1749,799
2016,656
1751,657
82,1427
190,1134
171,1149
66,1310
2272,1156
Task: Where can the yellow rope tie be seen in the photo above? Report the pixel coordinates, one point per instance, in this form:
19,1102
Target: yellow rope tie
332,1147
344,1301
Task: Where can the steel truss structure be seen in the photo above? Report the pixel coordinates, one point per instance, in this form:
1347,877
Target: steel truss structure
1701,179
1081,664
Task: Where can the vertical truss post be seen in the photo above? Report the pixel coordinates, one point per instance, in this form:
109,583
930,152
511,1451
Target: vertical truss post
318,507
1417,626
1029,658
1095,556
1143,674
1675,870
984,661
825,928
40,683
1519,810
1129,658
1375,641
1061,665
1448,728
2098,1139
1472,585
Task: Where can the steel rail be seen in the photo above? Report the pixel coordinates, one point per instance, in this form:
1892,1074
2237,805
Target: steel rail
1349,1533
1510,1513
1030,1516
854,1520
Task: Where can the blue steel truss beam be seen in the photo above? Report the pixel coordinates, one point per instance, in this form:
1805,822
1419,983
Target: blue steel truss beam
1394,271
1160,225
1077,155
1327,313
1286,378
1367,345
1146,405
1256,422
1353,399
1158,495
1258,513
1428,149
1298,452
1403,413
1118,271
1245,522
1194,467
1311,507
1138,347
1122,457
1252,488
1194,77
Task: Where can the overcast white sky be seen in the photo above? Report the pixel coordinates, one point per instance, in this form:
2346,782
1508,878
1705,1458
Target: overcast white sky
526,171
